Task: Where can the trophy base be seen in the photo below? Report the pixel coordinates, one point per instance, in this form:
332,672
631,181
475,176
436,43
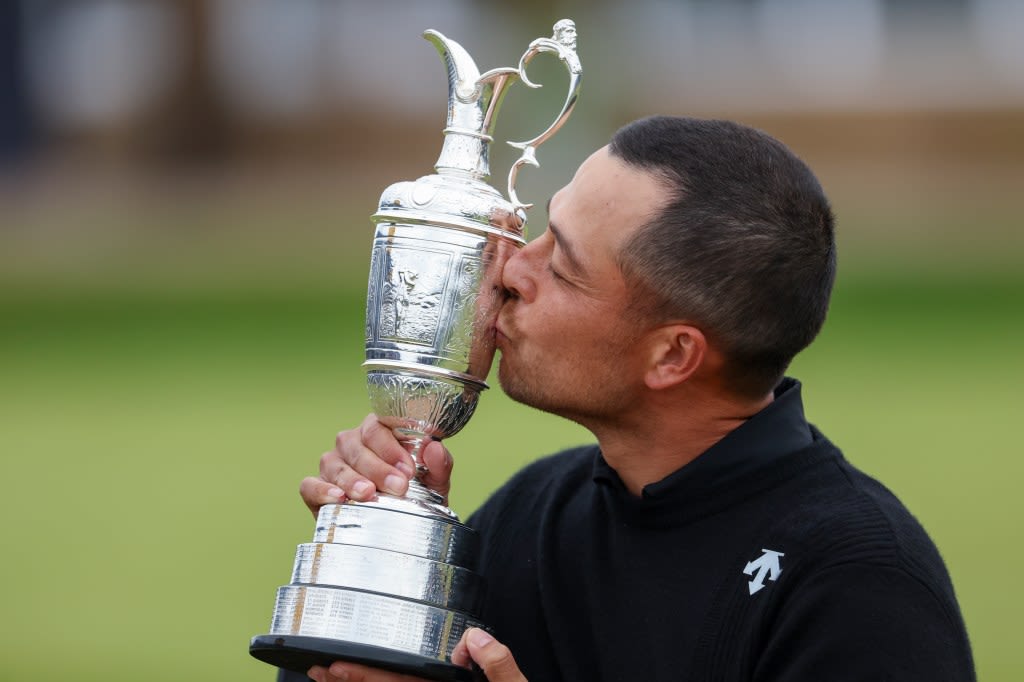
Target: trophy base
385,588
300,653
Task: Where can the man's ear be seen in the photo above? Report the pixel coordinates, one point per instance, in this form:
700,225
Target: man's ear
676,352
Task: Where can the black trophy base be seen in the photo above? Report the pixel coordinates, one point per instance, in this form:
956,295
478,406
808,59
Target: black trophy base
298,653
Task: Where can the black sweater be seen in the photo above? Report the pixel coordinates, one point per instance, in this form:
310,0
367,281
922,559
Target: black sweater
769,557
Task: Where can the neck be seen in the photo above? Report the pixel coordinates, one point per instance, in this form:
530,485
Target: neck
670,434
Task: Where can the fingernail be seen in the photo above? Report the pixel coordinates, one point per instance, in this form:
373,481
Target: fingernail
405,469
480,638
394,483
336,493
362,488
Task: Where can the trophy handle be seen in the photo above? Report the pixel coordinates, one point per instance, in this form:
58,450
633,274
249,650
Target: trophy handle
563,44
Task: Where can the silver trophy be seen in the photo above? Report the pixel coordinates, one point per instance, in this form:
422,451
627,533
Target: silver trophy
391,582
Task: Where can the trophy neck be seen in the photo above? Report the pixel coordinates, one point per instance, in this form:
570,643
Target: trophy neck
465,154
467,137
473,103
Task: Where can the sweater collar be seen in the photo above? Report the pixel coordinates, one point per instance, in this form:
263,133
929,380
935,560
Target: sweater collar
774,432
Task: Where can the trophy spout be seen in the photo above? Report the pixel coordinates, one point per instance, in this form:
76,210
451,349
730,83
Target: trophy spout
473,103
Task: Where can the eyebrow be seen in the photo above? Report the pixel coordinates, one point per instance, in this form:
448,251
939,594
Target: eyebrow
566,246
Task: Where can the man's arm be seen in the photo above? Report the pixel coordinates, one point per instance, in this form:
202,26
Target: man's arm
866,622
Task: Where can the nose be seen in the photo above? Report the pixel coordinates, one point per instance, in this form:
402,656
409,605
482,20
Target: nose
517,275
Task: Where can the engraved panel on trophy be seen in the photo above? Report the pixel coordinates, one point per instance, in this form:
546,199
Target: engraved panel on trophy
373,291
412,289
466,291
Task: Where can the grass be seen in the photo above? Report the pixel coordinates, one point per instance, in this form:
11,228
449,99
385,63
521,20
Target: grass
152,446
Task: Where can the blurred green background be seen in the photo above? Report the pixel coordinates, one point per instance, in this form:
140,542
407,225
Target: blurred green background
182,288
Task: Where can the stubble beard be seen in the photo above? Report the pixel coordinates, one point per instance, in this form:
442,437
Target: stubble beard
522,385
514,385
540,388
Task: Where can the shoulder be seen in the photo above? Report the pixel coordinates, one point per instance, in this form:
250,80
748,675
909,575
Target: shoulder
859,570
848,534
847,515
822,514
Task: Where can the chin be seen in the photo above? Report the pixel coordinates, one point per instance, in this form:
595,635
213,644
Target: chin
514,387
526,390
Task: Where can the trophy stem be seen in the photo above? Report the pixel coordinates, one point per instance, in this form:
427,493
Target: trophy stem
418,493
414,442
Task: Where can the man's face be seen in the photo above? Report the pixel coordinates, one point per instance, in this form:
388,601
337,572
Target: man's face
567,342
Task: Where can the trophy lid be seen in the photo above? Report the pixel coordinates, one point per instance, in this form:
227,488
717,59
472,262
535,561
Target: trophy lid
474,100
473,103
458,195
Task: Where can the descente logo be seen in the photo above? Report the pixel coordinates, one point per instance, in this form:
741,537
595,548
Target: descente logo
765,566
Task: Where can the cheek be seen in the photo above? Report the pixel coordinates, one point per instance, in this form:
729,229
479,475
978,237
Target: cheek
558,319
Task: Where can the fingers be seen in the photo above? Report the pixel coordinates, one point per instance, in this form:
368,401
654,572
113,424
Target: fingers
317,492
341,671
439,464
380,442
367,459
491,655
367,473
460,654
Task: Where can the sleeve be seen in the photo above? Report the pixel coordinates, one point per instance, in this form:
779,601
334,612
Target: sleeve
866,622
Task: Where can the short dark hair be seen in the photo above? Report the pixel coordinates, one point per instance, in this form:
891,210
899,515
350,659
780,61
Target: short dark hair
744,248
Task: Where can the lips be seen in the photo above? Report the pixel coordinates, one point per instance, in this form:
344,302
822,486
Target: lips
499,332
499,336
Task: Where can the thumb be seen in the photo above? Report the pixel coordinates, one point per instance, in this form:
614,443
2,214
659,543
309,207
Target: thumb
439,468
492,656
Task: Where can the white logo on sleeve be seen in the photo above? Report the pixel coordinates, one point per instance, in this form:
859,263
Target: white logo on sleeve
766,565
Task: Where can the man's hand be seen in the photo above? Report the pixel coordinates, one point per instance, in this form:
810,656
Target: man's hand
491,655
370,459
476,645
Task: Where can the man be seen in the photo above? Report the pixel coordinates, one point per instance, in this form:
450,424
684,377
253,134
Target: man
712,533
